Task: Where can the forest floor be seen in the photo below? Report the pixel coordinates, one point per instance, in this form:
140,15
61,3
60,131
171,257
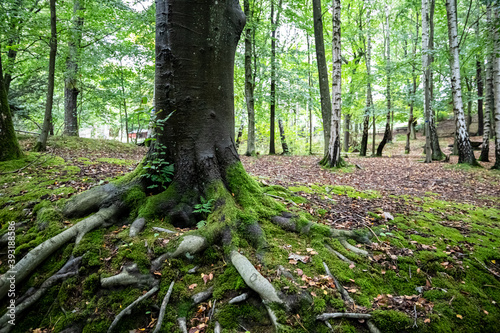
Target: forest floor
434,264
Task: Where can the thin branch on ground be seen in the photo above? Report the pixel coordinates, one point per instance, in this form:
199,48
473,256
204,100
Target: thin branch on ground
163,308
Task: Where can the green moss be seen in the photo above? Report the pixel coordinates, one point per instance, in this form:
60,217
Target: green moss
230,315
391,321
117,161
228,281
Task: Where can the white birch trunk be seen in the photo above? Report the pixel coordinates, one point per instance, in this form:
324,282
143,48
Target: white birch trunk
465,153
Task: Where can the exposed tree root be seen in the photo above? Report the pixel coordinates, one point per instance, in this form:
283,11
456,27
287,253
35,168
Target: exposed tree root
217,328
129,308
327,316
254,279
128,276
137,226
352,248
372,327
237,299
69,269
190,244
338,254
36,256
274,319
182,324
163,308
202,296
345,295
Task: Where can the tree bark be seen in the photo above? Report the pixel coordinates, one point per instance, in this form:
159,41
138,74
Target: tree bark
41,145
333,159
366,118
8,139
324,89
347,130
194,89
283,138
71,90
465,153
249,81
489,106
480,87
387,132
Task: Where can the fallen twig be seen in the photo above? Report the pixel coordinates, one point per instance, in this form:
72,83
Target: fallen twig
343,292
415,313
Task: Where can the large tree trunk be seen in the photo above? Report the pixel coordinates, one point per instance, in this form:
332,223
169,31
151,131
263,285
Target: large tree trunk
332,158
71,90
194,87
496,85
387,132
489,106
41,145
465,153
366,118
8,139
324,89
480,87
249,82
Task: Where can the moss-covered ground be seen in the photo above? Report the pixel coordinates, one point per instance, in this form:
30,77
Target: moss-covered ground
431,265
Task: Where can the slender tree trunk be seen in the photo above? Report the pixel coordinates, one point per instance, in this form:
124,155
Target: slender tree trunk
469,104
194,92
124,100
283,138
489,106
8,139
387,132
309,108
465,153
480,87
324,88
274,26
411,120
366,118
71,90
333,159
347,130
238,137
249,81
437,154
41,145
496,85
426,79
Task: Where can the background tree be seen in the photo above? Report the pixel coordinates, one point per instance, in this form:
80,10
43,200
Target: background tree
47,121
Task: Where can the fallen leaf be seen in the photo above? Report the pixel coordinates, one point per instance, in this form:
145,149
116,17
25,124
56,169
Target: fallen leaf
351,266
427,320
194,285
459,316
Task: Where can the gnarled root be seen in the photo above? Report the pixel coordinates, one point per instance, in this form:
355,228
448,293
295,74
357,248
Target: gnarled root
190,244
129,308
345,295
36,256
182,324
69,269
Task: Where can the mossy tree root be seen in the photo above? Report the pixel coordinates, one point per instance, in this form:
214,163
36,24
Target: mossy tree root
345,295
128,276
69,269
128,309
289,223
36,256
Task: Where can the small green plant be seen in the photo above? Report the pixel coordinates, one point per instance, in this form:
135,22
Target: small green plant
158,169
204,208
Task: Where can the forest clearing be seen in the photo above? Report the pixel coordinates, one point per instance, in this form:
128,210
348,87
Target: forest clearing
433,266
144,186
